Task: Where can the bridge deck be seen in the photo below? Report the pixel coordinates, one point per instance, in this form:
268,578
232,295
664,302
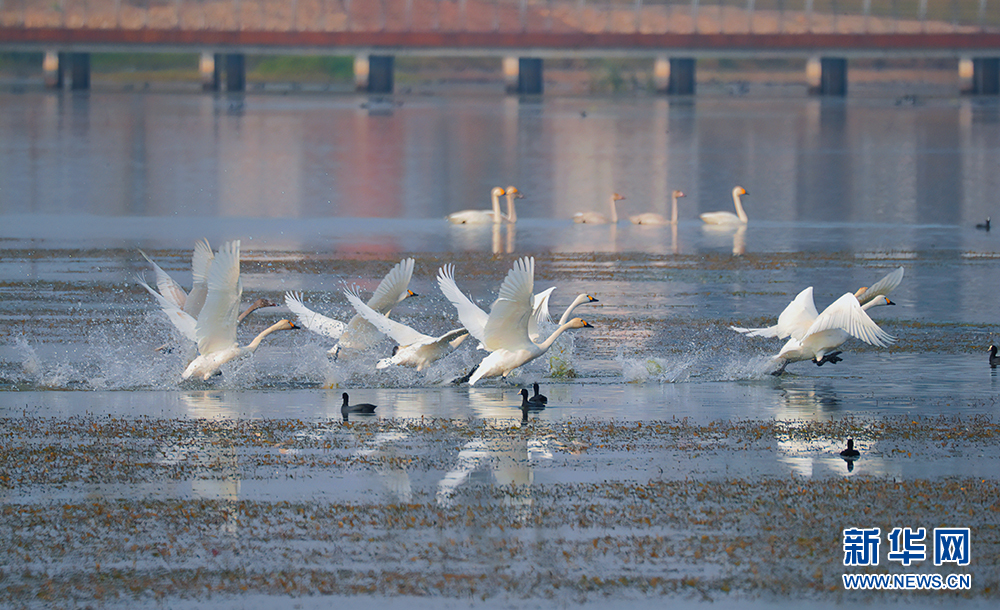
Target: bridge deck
547,27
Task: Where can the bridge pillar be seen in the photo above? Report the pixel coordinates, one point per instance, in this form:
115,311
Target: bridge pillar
680,76
78,65
52,69
210,68
980,75
529,76
510,74
236,72
374,73
826,76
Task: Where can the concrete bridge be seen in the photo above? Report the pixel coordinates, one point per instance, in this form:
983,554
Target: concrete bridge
523,33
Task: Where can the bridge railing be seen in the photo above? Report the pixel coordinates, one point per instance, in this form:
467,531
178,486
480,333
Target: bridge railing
591,16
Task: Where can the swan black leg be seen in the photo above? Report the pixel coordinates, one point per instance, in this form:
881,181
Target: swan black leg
831,358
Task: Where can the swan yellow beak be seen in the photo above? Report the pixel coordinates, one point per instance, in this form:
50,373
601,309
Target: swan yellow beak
587,324
411,293
592,299
888,302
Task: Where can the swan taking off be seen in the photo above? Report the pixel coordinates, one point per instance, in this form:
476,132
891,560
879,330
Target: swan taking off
358,333
652,218
728,218
181,308
482,217
815,336
596,218
540,320
215,330
504,331
415,349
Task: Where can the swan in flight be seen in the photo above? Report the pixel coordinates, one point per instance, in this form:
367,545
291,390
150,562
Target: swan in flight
512,193
182,308
799,315
540,319
652,218
728,218
504,331
596,218
215,329
843,319
481,217
415,349
358,333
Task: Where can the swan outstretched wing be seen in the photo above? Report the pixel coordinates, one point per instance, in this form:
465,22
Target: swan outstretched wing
392,287
846,314
169,289
180,319
315,322
539,311
881,287
201,261
794,321
216,327
507,326
469,314
400,333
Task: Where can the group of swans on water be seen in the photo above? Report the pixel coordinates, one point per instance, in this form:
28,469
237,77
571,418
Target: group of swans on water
516,330
495,216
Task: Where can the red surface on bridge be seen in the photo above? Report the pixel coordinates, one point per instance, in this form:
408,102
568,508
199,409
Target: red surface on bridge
503,40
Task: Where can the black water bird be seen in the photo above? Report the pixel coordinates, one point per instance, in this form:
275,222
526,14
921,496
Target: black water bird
363,407
850,453
538,399
984,225
994,359
527,405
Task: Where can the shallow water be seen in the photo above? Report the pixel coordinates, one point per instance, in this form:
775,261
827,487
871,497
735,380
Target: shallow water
663,428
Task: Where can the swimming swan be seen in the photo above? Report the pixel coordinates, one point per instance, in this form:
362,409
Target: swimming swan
728,218
505,330
596,218
215,330
480,217
512,193
358,333
652,218
415,349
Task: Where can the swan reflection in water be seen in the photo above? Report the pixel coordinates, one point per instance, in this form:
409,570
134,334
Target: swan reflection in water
738,232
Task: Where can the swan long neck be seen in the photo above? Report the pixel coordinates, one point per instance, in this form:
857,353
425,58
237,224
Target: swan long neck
873,303
739,207
497,216
614,210
673,209
252,346
511,211
579,300
246,312
545,345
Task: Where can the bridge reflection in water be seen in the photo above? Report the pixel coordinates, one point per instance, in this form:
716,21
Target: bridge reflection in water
674,33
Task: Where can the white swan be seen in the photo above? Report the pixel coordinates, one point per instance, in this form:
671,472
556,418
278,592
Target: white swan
800,314
358,333
596,218
215,329
415,349
480,217
182,308
540,319
505,331
652,218
728,218
512,193
843,319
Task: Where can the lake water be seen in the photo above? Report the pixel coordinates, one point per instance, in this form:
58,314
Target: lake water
659,397
327,189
